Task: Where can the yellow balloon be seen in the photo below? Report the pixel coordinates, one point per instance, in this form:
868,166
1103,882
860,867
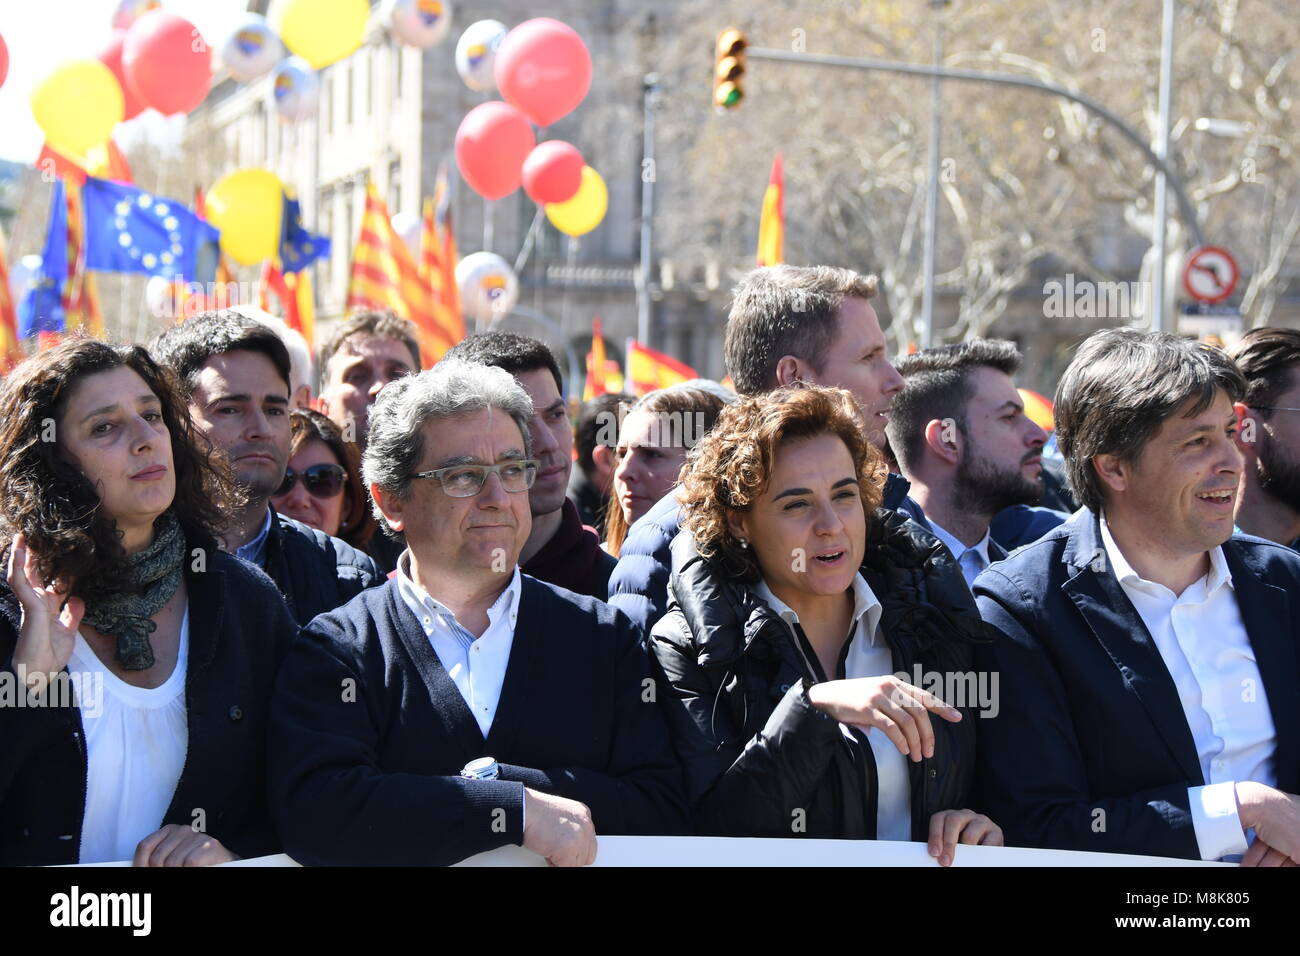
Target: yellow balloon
322,31
246,206
77,106
582,213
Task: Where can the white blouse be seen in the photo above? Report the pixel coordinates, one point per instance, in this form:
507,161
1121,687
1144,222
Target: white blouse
136,740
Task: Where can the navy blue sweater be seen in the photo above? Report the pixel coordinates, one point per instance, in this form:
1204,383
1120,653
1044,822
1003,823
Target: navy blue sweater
369,734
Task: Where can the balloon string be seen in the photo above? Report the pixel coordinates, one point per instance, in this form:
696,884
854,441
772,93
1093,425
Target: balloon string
488,206
529,239
568,281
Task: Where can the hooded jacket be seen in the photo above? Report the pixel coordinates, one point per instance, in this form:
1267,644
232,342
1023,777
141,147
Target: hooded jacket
759,758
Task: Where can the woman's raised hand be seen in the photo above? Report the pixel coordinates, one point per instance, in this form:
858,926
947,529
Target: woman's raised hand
49,626
899,709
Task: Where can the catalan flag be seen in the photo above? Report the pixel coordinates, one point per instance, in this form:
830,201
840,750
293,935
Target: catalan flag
80,299
438,262
771,225
11,352
384,276
648,370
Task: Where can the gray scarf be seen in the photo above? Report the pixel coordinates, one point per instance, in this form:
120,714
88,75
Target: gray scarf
127,614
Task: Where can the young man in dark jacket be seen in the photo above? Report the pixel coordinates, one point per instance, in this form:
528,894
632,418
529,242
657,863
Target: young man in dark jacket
235,373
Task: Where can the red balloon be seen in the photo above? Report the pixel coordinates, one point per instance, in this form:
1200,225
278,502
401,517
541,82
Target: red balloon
553,172
111,57
167,62
492,142
4,61
543,68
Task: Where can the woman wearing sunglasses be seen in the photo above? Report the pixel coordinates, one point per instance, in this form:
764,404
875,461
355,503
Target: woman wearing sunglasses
322,485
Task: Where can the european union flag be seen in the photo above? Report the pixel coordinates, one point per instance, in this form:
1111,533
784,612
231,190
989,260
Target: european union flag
298,247
129,230
41,308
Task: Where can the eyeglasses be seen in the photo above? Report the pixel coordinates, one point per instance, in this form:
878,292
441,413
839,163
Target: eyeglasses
466,481
321,481
1275,408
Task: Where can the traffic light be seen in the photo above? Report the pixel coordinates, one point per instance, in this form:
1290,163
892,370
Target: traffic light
729,68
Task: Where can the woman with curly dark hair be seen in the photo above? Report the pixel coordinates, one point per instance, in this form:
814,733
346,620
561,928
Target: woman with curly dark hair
143,655
800,622
322,485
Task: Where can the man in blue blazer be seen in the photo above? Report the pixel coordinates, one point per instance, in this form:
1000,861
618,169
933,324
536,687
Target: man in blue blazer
463,706
1150,691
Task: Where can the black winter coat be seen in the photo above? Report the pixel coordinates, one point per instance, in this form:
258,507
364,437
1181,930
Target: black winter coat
315,573
754,749
240,629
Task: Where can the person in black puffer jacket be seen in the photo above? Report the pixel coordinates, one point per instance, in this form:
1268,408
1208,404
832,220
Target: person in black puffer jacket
791,620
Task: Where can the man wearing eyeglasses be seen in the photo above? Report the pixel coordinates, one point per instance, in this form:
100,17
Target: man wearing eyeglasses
463,705
1268,434
235,374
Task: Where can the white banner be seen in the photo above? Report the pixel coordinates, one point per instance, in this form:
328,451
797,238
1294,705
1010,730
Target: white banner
749,851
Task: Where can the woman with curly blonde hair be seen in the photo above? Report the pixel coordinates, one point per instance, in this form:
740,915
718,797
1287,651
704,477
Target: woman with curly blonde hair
798,619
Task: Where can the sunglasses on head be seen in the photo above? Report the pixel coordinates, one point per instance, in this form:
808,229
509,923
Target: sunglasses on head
321,481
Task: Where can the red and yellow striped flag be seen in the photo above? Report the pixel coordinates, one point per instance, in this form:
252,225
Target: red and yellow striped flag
597,365
771,225
436,248
11,353
384,276
648,370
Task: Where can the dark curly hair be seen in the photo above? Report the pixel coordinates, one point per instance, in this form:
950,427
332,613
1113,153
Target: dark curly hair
731,468
52,503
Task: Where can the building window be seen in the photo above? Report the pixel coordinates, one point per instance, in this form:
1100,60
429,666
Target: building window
325,227
372,87
327,101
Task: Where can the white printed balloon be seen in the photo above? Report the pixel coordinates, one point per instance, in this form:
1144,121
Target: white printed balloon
251,50
296,89
417,23
488,286
476,53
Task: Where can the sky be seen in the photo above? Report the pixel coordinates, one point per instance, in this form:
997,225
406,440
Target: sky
41,35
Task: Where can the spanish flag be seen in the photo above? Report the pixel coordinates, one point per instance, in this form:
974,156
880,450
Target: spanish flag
648,370
11,353
771,225
597,365
384,276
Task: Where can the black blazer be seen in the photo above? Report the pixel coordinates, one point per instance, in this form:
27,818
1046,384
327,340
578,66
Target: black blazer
1090,749
369,734
239,630
314,572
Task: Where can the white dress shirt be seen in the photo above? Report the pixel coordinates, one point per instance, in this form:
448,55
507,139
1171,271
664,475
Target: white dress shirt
476,665
136,741
971,560
868,656
1203,642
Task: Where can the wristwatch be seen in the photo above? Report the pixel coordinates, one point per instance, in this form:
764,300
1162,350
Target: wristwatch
482,768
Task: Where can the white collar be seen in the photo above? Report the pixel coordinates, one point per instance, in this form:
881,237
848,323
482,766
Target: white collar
864,602
956,547
416,596
1215,578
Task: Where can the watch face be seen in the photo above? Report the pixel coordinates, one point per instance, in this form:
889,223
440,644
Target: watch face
483,768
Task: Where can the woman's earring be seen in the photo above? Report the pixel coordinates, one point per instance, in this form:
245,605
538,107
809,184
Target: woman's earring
744,543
